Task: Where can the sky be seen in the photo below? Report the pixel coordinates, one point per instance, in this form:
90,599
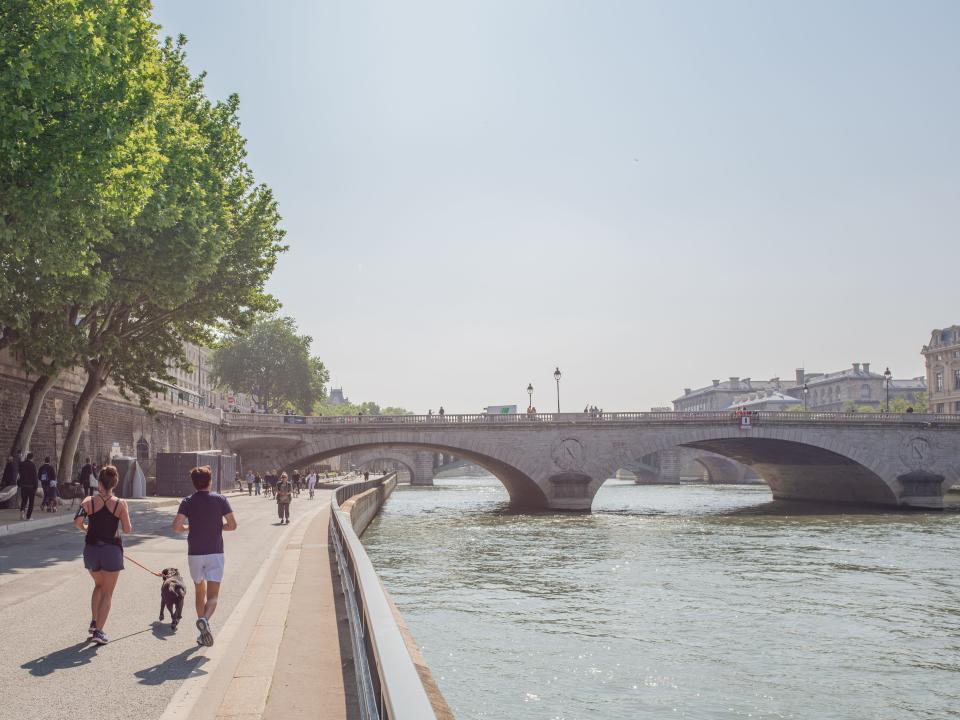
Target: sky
647,195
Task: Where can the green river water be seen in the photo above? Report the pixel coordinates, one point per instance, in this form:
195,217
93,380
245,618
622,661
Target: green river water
688,601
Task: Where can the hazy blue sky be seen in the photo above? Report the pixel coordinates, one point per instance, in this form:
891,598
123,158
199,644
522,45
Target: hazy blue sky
647,194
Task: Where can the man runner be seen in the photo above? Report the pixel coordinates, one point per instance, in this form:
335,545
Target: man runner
206,513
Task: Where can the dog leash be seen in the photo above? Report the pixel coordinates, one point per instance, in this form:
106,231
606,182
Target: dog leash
142,566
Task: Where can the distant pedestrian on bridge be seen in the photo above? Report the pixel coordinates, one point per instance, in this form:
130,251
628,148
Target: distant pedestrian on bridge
284,493
103,549
205,515
441,412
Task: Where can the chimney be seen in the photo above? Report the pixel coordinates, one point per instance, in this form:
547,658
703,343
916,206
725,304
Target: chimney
734,383
716,383
856,368
866,368
801,376
686,391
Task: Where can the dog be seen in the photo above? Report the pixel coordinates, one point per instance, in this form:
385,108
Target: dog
172,592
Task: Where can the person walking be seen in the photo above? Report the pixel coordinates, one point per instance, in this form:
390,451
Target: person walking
273,481
102,548
204,516
28,487
284,493
94,482
296,483
441,412
85,472
312,482
250,478
257,482
48,481
10,474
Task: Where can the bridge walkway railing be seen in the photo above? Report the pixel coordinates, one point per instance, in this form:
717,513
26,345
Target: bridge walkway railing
630,418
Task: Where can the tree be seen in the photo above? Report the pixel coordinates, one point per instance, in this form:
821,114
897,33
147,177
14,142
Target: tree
79,83
919,402
273,364
195,260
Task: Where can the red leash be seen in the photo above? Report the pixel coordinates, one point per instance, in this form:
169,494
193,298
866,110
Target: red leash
139,565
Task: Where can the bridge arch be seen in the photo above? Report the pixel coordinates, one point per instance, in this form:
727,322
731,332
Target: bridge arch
524,492
361,460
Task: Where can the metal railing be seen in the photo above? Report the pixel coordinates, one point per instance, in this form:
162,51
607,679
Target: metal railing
388,684
631,418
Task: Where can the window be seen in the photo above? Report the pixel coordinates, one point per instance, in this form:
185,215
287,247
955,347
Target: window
956,353
956,379
864,392
940,408
938,383
956,407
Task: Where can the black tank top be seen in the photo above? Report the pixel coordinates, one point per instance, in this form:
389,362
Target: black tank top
102,526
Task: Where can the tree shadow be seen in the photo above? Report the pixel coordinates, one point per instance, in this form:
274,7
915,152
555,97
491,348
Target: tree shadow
70,657
62,543
178,667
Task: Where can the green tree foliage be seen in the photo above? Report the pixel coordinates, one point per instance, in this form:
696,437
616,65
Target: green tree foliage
273,364
919,403
194,261
78,148
349,408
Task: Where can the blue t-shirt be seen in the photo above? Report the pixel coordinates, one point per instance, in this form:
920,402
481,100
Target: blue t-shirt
205,511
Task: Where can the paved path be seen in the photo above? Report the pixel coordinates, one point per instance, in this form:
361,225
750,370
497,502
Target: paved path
48,670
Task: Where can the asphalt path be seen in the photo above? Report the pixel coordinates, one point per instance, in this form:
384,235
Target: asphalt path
48,669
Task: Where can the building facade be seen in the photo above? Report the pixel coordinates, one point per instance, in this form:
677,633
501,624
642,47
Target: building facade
720,395
942,356
856,386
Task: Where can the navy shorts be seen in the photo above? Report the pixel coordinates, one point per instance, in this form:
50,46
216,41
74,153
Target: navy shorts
103,556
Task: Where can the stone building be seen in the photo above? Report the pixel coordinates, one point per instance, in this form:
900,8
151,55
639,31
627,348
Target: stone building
720,395
857,385
942,356
194,386
770,400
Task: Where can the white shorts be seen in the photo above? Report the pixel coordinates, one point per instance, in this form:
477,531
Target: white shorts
206,567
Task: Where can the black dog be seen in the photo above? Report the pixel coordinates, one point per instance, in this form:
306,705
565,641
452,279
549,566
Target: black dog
172,592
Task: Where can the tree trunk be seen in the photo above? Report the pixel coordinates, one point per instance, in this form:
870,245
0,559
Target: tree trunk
96,380
28,423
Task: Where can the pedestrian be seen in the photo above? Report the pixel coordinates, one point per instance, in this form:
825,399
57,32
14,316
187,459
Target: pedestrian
205,515
441,411
28,487
274,480
102,548
257,482
296,483
250,478
237,481
9,473
284,491
312,482
94,482
366,475
48,481
85,472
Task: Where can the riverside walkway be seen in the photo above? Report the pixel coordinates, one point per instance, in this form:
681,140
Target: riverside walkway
279,650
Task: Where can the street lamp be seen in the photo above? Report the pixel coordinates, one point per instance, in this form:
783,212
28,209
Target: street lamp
806,391
530,396
556,376
886,382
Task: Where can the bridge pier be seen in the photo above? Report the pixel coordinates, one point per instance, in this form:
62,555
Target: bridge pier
424,466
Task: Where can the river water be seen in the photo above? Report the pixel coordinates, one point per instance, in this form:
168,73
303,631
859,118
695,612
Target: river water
689,601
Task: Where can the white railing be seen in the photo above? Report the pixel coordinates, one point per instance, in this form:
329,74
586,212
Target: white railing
389,686
631,418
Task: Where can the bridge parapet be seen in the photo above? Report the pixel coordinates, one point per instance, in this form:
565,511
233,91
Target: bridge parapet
631,418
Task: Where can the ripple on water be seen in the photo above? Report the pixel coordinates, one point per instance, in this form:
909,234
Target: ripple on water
701,601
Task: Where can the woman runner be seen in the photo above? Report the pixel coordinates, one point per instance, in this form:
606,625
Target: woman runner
102,550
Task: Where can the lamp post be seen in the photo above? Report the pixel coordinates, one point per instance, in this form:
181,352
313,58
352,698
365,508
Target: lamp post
886,383
806,391
529,396
556,376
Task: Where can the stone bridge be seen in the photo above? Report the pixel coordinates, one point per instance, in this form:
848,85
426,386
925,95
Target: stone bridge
559,461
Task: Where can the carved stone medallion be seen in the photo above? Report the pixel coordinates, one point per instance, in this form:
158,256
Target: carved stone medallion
916,453
569,454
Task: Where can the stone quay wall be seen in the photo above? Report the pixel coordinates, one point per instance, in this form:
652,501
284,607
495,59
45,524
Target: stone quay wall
115,425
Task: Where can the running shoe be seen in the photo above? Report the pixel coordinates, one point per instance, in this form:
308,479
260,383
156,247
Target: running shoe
99,638
206,634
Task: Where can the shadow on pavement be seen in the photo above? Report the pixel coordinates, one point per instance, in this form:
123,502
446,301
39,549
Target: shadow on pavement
71,657
162,630
178,667
64,543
